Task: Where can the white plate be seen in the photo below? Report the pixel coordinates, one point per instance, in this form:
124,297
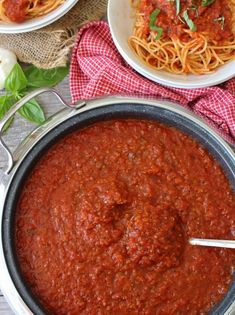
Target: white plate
121,25
39,22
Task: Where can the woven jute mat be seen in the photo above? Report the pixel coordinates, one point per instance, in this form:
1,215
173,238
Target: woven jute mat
50,46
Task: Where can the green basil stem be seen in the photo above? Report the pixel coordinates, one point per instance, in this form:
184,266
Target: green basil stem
152,26
189,22
220,20
206,3
177,2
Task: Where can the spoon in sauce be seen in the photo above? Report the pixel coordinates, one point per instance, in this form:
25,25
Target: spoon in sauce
212,243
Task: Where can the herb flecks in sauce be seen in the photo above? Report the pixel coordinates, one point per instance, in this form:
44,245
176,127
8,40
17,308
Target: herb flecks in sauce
172,18
220,20
189,22
152,23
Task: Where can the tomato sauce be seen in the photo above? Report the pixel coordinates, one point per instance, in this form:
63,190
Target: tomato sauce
103,222
215,19
16,10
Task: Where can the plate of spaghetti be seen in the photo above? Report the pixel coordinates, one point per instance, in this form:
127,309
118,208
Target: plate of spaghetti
18,16
181,43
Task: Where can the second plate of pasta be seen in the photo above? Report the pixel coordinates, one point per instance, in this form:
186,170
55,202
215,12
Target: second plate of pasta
29,15
188,44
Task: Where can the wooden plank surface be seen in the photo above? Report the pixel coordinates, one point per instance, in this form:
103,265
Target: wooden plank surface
17,133
4,308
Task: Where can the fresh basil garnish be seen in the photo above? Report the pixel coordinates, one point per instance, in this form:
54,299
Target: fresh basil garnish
177,3
194,8
16,80
153,18
45,77
20,81
221,20
152,26
159,32
206,3
33,112
6,102
189,22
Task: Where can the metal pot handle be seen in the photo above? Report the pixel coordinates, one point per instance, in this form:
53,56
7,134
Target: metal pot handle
14,109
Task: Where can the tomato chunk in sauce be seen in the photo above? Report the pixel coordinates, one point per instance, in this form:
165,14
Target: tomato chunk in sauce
15,10
103,222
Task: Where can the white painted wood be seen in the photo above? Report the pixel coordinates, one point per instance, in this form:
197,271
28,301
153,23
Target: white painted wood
4,308
19,130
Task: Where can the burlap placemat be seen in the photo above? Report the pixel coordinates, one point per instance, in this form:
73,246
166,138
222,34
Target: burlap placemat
50,46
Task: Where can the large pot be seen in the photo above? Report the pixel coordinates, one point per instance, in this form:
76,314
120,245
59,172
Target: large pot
67,120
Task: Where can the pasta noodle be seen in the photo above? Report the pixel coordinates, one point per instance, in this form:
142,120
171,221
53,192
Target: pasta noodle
196,52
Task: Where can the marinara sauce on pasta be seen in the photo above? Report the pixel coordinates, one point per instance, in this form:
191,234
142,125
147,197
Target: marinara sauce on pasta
18,11
103,222
184,36
204,18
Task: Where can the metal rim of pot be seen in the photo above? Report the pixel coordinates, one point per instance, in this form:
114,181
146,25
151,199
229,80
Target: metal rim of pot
66,121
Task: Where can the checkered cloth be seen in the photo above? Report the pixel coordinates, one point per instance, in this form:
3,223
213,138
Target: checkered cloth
97,69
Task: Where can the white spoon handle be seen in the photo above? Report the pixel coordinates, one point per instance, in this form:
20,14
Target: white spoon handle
212,243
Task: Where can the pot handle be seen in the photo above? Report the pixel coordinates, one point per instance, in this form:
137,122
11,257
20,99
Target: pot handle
14,109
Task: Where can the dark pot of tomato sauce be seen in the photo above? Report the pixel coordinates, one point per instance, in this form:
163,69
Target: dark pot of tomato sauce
98,216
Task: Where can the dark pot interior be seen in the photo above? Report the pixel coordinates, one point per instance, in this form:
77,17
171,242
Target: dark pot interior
122,110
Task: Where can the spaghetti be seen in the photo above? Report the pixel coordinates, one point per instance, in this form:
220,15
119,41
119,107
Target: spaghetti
184,36
20,10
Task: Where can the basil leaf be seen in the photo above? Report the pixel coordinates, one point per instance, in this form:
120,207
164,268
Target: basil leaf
8,124
33,112
45,78
195,8
159,32
152,26
5,104
177,3
221,20
16,80
189,22
153,18
206,3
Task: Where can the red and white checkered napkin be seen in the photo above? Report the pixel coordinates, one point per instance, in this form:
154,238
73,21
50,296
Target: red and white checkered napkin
97,69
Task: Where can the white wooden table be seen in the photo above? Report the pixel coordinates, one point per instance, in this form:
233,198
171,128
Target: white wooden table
19,130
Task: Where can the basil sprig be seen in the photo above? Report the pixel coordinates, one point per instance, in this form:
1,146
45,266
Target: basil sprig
19,82
189,22
194,7
177,4
6,102
16,80
206,3
44,77
221,20
152,21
